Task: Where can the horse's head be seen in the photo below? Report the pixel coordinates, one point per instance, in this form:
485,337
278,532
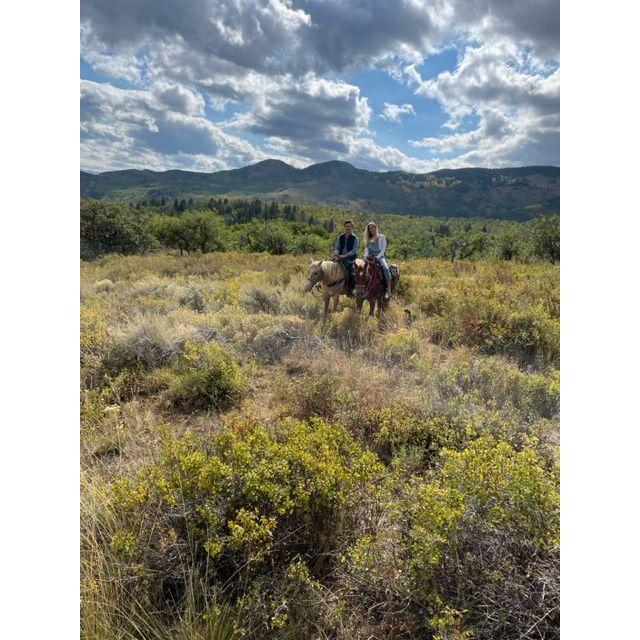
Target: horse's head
360,278
370,268
314,275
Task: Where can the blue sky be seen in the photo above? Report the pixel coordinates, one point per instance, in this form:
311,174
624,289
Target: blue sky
383,84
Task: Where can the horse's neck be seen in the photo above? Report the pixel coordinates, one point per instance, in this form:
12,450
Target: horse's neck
331,271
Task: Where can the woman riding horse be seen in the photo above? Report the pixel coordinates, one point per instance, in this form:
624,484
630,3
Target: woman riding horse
375,244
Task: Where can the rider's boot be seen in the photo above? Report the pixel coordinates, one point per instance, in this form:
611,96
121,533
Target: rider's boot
387,291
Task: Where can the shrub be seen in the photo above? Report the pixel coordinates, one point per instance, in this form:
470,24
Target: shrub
93,328
350,330
146,342
104,286
402,344
319,393
230,504
262,301
193,299
272,343
476,547
206,376
498,384
433,301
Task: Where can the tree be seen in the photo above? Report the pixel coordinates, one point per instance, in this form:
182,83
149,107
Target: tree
405,248
112,227
460,245
308,244
546,238
507,244
170,232
203,230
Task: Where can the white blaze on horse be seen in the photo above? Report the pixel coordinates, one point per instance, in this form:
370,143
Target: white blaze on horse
332,278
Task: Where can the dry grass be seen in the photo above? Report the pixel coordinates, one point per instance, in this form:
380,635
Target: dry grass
466,349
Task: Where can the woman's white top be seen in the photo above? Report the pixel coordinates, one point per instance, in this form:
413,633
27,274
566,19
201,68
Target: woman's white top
382,243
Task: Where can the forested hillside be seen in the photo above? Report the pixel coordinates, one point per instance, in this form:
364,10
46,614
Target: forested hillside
517,193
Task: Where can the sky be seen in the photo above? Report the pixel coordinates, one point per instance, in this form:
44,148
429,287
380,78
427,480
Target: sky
412,85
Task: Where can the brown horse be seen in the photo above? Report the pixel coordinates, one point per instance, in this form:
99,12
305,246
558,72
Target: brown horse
332,278
370,285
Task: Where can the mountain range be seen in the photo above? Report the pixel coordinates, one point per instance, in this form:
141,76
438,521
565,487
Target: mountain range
516,193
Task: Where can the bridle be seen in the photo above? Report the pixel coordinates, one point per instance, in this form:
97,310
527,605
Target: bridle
314,282
371,270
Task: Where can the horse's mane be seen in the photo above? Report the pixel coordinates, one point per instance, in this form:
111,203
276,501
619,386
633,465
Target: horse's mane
331,270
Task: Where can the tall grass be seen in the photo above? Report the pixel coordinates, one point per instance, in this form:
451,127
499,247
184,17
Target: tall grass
223,348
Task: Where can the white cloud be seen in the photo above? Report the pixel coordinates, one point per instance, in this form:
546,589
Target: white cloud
517,107
177,97
317,115
278,63
394,112
122,128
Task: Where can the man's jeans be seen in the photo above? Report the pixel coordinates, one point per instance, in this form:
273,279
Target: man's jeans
349,265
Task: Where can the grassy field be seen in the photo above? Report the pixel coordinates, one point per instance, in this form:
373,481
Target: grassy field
251,469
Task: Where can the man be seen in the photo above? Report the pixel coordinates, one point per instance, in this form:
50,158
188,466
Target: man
345,252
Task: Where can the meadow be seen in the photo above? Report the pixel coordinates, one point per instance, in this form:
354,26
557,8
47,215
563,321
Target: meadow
251,469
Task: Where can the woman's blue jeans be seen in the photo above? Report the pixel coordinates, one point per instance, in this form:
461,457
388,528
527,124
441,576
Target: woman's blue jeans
385,268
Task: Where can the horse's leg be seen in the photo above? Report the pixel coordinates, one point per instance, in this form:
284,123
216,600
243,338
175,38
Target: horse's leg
326,306
372,306
336,298
359,302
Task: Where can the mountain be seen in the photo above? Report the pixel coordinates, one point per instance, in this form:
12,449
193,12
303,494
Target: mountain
516,193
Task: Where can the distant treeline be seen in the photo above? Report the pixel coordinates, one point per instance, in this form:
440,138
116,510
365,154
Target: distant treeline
256,226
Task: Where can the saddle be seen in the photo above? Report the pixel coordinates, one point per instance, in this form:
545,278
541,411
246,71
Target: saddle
344,279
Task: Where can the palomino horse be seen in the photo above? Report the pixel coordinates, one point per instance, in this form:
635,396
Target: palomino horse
333,279
370,287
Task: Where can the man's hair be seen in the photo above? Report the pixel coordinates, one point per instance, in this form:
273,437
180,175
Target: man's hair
347,222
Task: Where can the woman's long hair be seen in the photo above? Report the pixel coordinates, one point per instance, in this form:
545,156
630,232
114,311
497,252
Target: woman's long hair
369,238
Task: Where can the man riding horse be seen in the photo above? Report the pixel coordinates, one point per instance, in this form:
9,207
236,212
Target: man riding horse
345,252
338,276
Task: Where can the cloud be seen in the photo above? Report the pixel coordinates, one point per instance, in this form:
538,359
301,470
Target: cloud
536,22
517,106
494,75
394,112
122,128
176,97
316,114
278,69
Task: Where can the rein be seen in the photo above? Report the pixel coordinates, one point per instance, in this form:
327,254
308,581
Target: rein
330,286
373,288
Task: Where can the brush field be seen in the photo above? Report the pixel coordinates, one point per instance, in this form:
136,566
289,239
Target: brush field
253,470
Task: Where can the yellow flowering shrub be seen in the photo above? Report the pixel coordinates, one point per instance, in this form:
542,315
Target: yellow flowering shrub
238,496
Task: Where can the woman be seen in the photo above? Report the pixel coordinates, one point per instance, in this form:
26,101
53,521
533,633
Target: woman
375,244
